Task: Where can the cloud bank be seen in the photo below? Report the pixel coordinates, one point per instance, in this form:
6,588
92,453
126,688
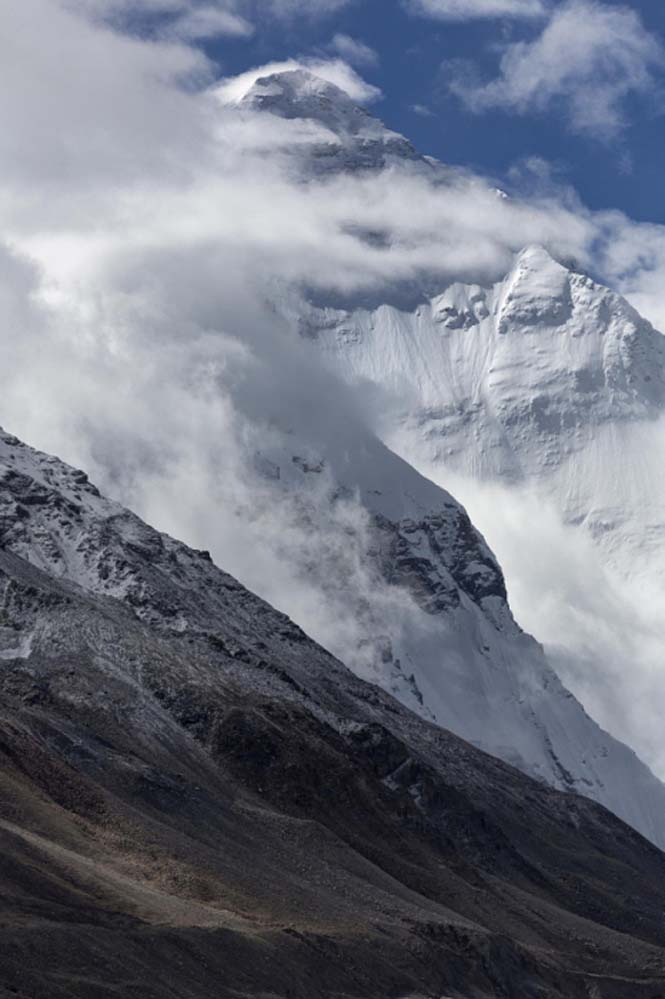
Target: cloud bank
588,60
150,237
603,632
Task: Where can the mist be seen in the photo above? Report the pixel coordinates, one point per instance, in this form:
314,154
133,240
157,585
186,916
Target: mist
602,628
150,236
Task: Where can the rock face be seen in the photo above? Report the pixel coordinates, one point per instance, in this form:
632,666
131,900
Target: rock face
198,800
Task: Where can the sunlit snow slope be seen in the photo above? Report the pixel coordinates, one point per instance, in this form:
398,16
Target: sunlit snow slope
545,378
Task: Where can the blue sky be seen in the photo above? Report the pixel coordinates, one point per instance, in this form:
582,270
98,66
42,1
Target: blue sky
418,58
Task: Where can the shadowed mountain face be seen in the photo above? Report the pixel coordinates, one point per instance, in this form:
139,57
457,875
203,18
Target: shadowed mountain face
198,801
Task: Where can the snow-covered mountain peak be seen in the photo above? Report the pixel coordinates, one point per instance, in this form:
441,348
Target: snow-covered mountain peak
511,378
298,93
594,353
536,292
347,137
33,479
547,380
535,259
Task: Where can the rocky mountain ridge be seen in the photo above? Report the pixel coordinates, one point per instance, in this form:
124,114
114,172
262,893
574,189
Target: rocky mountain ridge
197,799
425,613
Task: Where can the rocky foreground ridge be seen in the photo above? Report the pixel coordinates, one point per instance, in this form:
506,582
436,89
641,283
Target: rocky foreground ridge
197,800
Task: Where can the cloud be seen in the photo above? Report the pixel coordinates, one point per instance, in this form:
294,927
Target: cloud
603,631
191,20
155,243
468,10
422,111
207,22
305,8
233,89
354,51
632,260
136,112
588,60
126,13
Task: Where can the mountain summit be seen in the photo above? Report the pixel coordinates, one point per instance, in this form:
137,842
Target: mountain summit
298,93
545,379
349,138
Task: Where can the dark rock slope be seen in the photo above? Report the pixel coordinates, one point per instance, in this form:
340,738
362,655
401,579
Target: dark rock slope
198,801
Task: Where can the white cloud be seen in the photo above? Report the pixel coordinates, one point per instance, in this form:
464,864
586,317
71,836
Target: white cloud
588,60
150,229
207,22
305,8
604,632
468,10
354,51
191,20
109,8
124,12
134,112
233,89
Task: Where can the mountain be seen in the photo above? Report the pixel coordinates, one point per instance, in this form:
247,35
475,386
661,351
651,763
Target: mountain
547,378
417,603
344,136
399,584
548,390
197,800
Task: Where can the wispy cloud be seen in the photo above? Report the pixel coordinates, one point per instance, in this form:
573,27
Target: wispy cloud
305,8
207,21
336,71
586,62
191,20
354,51
469,10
